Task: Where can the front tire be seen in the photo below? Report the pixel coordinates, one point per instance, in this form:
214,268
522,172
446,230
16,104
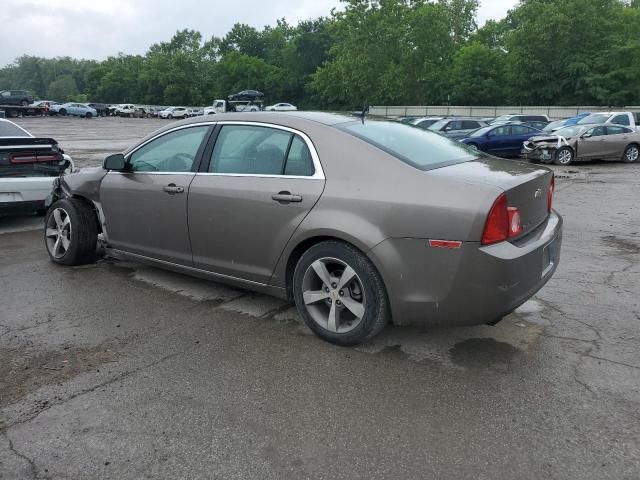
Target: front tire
631,154
88,115
340,294
563,156
71,232
63,112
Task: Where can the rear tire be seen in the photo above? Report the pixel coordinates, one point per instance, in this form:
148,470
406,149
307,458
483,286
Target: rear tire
63,112
631,154
88,115
71,232
563,156
346,303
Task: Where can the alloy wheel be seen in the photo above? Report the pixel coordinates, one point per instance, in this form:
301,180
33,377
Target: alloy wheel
565,156
58,233
632,154
333,295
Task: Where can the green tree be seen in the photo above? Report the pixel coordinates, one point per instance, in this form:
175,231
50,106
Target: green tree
63,89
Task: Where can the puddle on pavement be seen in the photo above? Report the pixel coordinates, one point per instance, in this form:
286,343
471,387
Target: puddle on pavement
483,353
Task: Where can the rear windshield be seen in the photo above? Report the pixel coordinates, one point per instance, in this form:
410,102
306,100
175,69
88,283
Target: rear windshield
595,118
420,148
8,129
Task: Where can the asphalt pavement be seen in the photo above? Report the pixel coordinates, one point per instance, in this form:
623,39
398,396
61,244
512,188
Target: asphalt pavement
116,370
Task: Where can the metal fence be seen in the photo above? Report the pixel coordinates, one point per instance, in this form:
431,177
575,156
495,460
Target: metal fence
551,112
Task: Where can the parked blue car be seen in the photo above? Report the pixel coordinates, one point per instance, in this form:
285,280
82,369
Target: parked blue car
73,109
501,140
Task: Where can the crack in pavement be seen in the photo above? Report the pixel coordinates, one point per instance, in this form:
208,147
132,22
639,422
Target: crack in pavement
121,376
32,466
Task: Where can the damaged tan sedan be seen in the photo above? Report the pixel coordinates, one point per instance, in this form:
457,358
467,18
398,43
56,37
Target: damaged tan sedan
584,142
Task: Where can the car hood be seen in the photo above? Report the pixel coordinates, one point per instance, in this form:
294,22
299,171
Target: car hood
553,139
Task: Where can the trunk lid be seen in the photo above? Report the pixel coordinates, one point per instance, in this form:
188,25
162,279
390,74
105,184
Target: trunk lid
526,185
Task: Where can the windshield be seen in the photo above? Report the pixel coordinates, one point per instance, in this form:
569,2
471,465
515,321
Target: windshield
595,118
571,131
420,148
502,118
8,129
481,132
439,124
553,125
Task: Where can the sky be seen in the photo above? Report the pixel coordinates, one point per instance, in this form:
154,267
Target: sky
100,28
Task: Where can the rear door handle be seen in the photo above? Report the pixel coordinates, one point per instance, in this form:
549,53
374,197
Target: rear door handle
172,189
286,197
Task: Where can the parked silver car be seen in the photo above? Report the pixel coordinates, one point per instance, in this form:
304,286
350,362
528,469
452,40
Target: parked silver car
359,222
456,128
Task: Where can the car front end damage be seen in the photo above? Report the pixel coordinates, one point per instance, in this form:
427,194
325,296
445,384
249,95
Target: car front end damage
543,149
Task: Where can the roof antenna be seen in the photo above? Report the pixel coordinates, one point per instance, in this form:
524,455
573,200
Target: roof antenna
365,110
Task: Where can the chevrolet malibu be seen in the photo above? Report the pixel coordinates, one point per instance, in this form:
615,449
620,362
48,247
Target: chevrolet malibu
359,222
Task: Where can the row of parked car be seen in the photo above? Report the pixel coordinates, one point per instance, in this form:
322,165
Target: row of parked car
587,136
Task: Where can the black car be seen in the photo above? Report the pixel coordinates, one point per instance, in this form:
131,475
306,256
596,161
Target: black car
246,95
101,108
15,97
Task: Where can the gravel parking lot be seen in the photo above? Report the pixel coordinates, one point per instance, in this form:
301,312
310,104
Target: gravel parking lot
116,370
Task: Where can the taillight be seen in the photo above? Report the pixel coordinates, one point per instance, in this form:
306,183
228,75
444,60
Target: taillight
33,158
503,222
550,195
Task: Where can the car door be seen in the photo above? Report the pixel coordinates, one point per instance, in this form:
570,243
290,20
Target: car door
146,208
616,141
519,135
592,143
260,182
497,140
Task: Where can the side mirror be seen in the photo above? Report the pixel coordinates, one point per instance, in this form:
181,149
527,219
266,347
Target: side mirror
586,135
115,162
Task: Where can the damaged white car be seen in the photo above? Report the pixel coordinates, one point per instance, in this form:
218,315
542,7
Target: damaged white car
584,142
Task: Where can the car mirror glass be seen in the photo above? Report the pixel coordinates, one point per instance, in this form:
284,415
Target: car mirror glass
115,162
586,135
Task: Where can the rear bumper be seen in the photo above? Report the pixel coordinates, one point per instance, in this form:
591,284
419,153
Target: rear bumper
471,285
25,189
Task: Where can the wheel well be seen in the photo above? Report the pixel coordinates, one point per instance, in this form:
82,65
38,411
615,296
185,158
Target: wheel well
299,250
90,205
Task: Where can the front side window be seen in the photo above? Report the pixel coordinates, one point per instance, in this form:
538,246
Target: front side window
501,131
520,130
172,152
596,131
470,125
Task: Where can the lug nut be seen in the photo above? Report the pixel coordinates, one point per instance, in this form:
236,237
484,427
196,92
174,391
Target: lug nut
334,285
338,302
326,289
341,293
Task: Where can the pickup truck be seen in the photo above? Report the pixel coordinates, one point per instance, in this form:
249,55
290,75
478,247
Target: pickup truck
28,166
626,119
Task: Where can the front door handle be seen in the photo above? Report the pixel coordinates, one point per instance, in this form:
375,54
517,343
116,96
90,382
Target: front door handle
172,189
286,197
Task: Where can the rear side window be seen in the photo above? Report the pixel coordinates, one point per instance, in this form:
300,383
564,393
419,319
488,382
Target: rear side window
519,130
469,125
299,161
617,130
501,131
8,129
419,148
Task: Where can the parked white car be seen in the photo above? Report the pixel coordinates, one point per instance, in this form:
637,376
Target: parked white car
28,166
175,112
281,107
